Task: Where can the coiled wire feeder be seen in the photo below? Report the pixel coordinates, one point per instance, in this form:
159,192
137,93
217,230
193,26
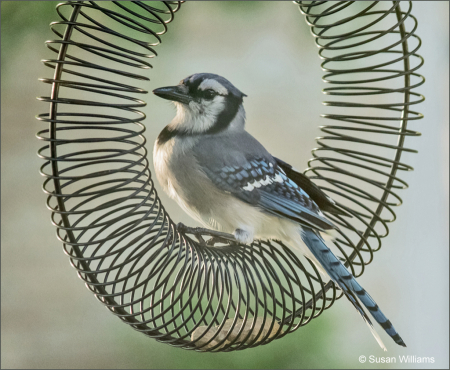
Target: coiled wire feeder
115,230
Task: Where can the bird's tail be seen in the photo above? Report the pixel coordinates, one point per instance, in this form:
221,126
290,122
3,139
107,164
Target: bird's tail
346,281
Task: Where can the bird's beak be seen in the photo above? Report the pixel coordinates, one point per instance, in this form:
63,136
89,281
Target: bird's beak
174,93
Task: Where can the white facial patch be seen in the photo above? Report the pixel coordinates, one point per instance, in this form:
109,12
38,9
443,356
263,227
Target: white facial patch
213,85
201,114
198,117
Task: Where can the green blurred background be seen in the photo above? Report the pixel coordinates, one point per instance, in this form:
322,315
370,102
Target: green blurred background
50,320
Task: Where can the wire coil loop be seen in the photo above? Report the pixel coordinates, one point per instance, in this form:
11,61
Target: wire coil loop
115,230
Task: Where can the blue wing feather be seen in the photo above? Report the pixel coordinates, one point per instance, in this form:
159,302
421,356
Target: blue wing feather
260,182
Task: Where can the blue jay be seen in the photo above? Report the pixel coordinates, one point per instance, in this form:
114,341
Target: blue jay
224,178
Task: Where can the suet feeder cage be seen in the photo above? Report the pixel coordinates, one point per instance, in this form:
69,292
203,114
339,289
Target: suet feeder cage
113,226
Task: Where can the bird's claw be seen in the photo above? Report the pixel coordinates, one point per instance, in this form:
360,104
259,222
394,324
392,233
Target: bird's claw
182,228
216,236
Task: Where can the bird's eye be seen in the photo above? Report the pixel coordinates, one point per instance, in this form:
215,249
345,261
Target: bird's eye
209,94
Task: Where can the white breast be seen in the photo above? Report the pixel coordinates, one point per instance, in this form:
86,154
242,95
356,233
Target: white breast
161,157
217,209
172,161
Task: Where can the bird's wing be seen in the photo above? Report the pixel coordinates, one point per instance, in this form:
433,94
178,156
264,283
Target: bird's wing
259,181
324,202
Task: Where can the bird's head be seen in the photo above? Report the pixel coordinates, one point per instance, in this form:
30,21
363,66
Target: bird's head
206,104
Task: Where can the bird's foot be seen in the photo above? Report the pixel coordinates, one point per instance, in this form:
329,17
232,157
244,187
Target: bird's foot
182,228
217,239
216,236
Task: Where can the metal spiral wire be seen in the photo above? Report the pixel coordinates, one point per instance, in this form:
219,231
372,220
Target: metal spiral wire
116,232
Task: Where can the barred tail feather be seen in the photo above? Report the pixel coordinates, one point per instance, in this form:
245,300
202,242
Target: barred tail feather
352,298
376,336
351,288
